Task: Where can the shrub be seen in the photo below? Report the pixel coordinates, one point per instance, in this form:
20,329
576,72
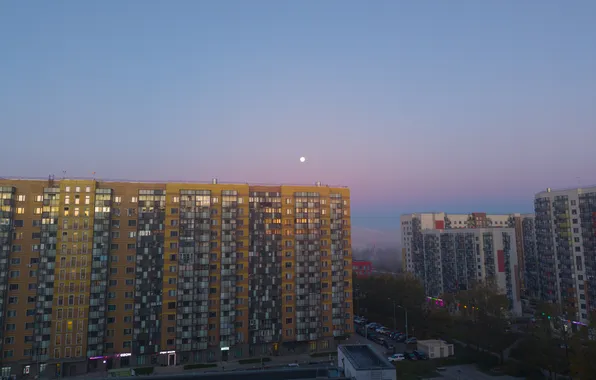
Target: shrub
200,365
254,360
323,354
144,371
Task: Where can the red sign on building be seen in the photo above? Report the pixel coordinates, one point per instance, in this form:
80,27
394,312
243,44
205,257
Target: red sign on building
362,268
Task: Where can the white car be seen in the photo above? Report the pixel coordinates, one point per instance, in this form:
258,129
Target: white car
396,358
382,330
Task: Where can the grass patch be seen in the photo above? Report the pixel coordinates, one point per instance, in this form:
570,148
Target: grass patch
407,369
323,354
254,360
465,331
200,365
144,371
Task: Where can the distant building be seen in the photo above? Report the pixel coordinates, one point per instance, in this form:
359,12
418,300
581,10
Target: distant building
566,242
412,226
455,259
361,362
362,268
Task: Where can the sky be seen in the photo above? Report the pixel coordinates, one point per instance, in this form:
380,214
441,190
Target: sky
453,106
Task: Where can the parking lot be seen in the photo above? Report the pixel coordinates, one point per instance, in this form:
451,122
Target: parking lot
399,347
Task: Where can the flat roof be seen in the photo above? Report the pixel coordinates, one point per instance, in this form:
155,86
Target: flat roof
363,357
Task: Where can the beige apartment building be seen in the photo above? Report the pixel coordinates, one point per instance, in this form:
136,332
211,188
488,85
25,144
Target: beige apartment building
97,274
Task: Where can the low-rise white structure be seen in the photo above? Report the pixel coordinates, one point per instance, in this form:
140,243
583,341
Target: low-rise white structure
436,348
361,362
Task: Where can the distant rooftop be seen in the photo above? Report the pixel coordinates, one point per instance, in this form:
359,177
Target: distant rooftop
213,181
589,188
364,358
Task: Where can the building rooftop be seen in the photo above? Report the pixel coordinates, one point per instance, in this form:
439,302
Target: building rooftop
213,181
364,358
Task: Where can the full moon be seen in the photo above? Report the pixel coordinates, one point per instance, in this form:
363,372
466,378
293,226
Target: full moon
302,159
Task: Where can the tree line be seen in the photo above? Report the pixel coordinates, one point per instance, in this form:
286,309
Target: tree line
480,318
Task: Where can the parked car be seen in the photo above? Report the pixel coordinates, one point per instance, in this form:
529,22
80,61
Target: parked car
396,358
420,355
400,337
410,356
412,340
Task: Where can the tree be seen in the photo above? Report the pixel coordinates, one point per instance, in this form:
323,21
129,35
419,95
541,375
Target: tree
485,310
582,363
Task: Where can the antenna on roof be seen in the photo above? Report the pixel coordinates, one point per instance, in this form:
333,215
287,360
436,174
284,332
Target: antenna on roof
63,174
51,180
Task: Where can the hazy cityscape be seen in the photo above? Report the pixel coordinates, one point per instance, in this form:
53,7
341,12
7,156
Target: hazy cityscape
282,190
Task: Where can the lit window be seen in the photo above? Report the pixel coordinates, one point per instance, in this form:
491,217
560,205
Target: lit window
117,200
88,189
20,210
77,189
67,189
21,198
39,198
134,200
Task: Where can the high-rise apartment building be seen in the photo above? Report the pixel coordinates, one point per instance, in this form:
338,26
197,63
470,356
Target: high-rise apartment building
566,246
455,259
413,225
98,273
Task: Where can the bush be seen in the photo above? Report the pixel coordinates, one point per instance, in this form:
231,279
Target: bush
323,354
200,365
144,371
254,360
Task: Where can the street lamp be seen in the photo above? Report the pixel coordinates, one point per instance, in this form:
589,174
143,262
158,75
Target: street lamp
394,319
406,311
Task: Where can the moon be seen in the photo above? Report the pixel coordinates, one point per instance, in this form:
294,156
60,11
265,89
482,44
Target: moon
302,159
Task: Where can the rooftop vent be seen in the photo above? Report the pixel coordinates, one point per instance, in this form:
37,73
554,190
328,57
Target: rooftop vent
548,189
214,181
318,184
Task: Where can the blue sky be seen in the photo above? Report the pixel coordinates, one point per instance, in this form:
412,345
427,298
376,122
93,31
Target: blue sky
416,105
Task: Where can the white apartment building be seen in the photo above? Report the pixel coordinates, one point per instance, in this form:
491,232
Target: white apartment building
566,246
412,226
455,259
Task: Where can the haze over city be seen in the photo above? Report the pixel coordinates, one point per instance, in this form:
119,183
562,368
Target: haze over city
454,106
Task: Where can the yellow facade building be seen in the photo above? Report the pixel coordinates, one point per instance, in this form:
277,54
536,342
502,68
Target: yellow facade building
97,274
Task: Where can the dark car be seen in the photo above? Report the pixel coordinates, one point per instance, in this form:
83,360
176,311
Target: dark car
410,356
420,355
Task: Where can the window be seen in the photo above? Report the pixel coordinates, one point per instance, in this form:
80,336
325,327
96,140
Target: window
175,199
37,210
117,200
132,223
39,198
132,234
21,198
20,210
133,199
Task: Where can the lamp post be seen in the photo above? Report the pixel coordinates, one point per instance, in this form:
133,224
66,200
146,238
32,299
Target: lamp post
406,311
394,319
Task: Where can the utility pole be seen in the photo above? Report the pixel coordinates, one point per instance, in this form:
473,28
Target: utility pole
406,311
394,319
